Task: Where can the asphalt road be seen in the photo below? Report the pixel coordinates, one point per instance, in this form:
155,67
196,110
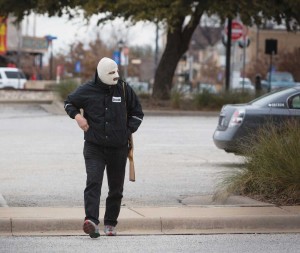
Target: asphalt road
239,243
41,162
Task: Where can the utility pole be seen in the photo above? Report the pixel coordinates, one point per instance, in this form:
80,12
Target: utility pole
20,42
228,54
156,46
50,39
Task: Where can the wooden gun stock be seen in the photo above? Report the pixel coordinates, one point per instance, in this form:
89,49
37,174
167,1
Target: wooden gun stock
131,162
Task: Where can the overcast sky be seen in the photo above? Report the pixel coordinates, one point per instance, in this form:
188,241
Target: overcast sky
70,31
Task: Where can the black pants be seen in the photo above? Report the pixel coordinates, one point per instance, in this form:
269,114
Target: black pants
96,159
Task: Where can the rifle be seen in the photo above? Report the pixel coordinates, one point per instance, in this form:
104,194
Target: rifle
130,144
131,162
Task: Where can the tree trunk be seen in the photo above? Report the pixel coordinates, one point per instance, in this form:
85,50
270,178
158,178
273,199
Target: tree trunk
178,39
167,66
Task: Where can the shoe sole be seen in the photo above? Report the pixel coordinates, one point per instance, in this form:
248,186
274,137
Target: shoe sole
95,235
110,234
89,229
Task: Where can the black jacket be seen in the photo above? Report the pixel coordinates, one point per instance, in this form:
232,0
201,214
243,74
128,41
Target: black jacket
110,122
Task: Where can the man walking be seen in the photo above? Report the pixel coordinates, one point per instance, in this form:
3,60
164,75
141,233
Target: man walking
111,113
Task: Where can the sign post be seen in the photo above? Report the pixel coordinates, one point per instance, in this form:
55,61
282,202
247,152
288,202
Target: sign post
234,30
124,60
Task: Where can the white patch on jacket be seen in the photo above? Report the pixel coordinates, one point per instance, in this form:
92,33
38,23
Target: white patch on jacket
116,99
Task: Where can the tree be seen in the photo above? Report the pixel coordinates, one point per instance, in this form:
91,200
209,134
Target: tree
180,18
88,57
290,62
282,62
210,72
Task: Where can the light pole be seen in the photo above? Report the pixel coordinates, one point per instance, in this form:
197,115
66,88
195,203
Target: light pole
120,47
49,39
123,49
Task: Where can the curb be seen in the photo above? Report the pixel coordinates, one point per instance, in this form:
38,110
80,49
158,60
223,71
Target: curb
127,226
5,226
181,113
246,224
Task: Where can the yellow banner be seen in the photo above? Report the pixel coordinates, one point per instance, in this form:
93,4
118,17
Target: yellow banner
3,33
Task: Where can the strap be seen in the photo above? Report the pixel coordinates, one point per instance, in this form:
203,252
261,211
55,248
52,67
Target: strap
123,84
130,141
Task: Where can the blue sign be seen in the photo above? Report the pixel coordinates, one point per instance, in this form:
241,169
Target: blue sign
78,67
117,57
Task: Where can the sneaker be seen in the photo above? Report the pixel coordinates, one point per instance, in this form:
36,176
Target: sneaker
91,228
110,230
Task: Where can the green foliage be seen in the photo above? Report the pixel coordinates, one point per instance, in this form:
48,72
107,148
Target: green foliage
271,170
19,9
206,100
257,12
176,99
168,11
65,88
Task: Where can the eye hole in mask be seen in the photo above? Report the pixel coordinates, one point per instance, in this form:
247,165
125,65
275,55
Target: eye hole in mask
113,72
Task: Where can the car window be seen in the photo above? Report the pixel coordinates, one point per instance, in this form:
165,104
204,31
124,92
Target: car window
245,83
22,75
14,75
285,77
0,76
274,97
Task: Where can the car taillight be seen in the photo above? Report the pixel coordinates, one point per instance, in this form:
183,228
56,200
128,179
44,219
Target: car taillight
237,117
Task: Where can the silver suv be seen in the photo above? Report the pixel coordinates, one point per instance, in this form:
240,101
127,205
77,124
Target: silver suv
12,78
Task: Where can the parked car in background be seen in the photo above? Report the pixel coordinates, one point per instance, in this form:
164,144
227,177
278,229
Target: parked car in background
243,85
279,80
140,87
183,89
12,78
237,121
206,87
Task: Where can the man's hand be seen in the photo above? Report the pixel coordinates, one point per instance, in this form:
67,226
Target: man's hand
82,122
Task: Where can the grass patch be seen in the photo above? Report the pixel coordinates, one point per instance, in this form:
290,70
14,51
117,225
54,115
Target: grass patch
196,101
65,88
206,100
271,171
176,99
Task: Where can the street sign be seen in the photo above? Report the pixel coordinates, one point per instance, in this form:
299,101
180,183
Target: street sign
77,67
237,30
117,57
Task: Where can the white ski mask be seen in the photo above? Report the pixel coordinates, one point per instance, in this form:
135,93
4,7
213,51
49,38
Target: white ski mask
108,71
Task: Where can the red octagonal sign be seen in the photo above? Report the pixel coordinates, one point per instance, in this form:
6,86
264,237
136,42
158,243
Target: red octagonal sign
237,30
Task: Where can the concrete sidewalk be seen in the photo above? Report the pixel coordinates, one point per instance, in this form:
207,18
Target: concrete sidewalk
154,220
